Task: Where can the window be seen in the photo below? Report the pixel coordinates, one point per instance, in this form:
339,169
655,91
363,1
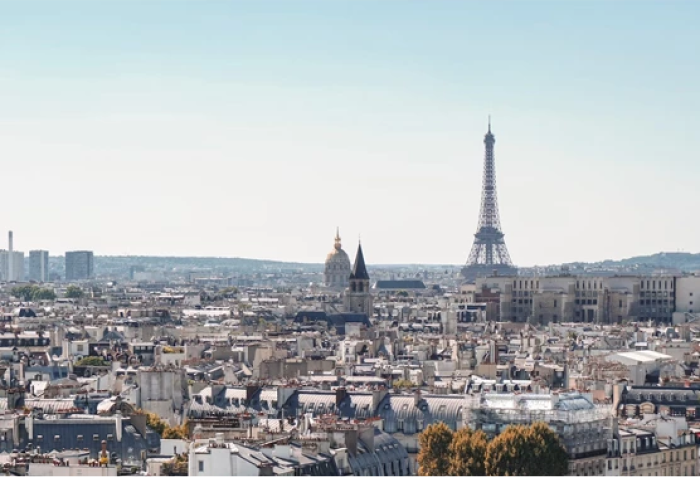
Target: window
201,465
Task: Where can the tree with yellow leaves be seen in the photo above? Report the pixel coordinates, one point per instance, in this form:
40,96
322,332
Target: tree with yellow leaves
467,453
433,457
527,450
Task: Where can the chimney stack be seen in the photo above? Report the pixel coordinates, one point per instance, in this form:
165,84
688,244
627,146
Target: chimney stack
340,394
10,257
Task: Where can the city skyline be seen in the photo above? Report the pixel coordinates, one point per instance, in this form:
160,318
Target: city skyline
253,129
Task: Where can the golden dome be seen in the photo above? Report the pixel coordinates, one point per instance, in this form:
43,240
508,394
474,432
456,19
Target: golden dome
338,255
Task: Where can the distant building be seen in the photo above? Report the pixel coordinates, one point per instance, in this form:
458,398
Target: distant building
585,299
39,265
79,265
11,270
399,285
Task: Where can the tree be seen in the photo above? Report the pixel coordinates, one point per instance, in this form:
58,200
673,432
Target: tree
43,294
178,432
154,421
24,292
527,450
434,444
402,384
91,361
467,453
74,292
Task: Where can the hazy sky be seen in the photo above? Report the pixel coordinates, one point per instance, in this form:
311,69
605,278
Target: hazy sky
253,129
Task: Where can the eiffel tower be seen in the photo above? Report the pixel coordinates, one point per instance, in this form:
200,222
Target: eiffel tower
489,255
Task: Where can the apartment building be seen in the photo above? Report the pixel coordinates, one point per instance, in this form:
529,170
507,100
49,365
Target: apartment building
39,265
11,266
569,298
654,447
79,265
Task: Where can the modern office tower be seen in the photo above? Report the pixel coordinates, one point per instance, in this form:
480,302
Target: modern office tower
79,265
39,265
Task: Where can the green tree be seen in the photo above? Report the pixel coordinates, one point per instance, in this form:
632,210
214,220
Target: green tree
91,361
467,453
434,442
74,292
24,292
527,450
43,294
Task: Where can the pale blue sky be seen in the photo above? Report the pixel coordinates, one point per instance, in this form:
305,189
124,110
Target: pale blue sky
253,129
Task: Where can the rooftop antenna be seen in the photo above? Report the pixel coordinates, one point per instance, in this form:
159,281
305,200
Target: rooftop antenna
489,124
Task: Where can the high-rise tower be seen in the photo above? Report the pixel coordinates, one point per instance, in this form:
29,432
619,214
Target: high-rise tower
489,254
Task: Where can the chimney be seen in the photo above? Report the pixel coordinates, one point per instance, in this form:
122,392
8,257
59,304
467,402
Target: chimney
250,391
340,394
417,397
265,469
10,257
618,389
377,397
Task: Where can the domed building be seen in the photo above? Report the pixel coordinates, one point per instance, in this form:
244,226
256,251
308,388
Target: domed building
338,267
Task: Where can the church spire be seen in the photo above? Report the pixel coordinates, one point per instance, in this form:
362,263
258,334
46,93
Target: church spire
359,270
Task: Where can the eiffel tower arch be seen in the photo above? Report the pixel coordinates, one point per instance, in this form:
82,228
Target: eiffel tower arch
489,254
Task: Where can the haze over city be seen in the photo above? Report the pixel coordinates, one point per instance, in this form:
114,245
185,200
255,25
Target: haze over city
254,128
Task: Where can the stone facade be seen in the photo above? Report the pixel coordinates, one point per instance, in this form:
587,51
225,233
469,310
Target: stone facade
569,298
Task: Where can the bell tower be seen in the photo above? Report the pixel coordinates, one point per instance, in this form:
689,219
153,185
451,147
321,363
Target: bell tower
358,298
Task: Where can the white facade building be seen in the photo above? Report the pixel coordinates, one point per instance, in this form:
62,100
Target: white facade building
39,265
14,271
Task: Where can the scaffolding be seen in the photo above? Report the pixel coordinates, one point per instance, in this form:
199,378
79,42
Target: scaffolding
526,408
